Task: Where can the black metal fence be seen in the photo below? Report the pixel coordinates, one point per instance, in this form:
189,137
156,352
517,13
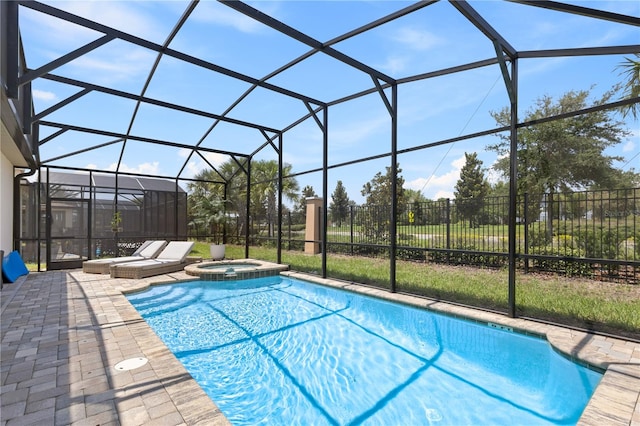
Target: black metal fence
592,233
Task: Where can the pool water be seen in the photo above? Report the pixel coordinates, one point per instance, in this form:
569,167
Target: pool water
279,351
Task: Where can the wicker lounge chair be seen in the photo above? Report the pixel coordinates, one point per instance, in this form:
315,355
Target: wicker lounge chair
148,250
173,258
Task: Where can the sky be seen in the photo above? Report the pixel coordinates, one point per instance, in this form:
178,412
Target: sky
429,110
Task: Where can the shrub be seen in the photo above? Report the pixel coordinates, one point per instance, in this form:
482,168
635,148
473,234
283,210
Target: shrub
538,236
570,267
600,242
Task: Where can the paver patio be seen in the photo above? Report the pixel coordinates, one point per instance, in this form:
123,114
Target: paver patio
63,333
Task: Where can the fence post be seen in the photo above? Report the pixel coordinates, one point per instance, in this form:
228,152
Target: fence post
289,231
448,223
526,232
313,225
351,227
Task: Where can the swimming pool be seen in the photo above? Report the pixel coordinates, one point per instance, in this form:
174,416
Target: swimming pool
279,351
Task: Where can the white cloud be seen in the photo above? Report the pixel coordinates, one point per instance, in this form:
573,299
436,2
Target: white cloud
348,134
216,13
629,147
196,164
111,62
125,16
44,95
143,168
494,176
410,39
416,39
394,64
214,158
439,186
116,66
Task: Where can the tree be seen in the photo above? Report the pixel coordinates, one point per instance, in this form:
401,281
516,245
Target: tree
414,212
209,213
375,218
378,190
264,189
471,189
205,203
631,89
307,192
561,155
340,203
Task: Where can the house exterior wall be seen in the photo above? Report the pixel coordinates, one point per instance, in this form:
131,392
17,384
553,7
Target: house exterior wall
6,206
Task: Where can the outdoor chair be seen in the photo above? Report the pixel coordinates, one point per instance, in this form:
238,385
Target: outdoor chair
172,258
148,250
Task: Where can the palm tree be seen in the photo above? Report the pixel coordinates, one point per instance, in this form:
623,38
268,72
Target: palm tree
264,190
265,174
206,204
631,69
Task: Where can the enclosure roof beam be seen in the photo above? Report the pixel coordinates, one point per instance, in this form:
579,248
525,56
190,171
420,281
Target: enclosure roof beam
314,114
81,151
303,38
60,104
589,110
111,172
52,11
385,19
135,138
581,51
152,101
480,23
51,136
508,81
580,10
445,71
31,75
483,133
398,14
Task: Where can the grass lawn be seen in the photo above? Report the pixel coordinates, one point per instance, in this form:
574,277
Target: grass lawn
589,304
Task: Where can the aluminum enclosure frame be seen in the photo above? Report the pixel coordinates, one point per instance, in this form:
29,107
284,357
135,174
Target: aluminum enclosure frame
18,84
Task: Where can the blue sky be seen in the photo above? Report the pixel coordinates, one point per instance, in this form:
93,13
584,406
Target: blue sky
433,38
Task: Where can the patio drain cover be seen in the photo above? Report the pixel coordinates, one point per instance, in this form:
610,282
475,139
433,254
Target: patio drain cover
131,364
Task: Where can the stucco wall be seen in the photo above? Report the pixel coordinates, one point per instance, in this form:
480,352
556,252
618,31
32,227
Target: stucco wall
6,204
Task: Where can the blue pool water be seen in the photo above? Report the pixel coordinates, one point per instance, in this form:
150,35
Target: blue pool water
278,351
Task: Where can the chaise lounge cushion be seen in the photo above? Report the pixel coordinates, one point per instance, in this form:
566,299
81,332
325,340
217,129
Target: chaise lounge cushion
148,250
171,259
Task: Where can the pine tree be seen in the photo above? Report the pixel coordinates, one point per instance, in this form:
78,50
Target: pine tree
471,189
339,206
307,192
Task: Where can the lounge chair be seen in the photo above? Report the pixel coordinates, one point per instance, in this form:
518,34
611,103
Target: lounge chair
172,258
148,250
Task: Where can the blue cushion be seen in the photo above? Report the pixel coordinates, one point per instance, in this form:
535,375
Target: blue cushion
13,267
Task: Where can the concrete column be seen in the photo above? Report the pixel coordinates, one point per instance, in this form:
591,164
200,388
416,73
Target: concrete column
313,225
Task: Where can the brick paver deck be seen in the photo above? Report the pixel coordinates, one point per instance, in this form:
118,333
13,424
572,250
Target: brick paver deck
63,332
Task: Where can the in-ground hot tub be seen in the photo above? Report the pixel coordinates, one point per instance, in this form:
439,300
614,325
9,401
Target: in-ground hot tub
239,269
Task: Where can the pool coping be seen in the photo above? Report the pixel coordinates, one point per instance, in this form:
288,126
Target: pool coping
261,269
63,333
